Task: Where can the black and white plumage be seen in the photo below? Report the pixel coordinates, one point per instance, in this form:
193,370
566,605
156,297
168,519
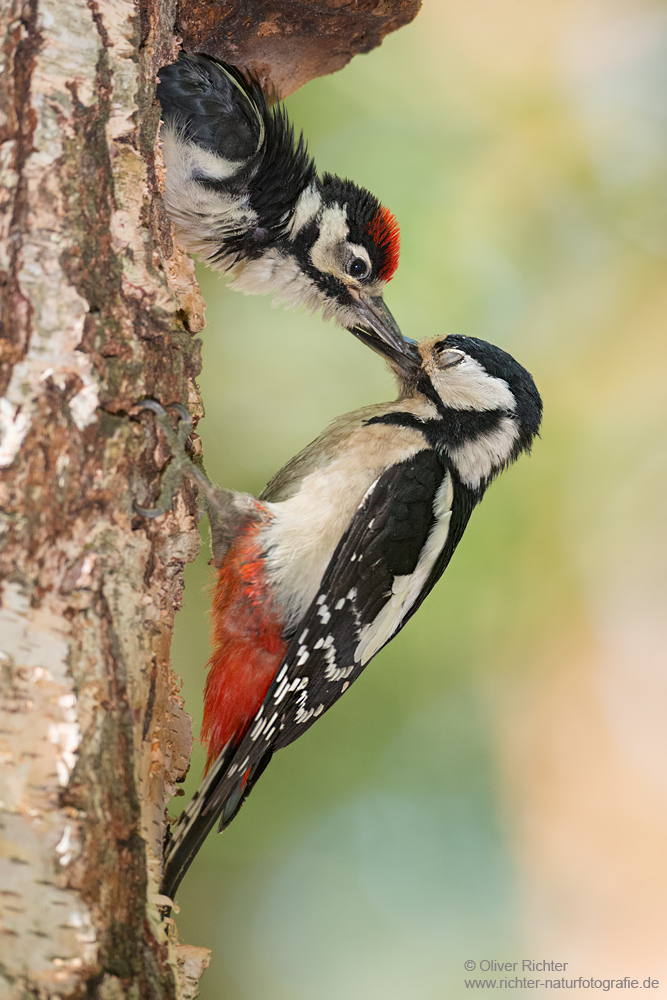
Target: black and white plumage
351,536
246,198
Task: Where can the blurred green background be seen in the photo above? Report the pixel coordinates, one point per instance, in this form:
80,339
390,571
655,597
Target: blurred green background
494,786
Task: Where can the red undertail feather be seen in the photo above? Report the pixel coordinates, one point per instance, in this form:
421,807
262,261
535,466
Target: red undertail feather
247,647
383,230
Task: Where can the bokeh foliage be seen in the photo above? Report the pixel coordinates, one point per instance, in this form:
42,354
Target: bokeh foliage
459,801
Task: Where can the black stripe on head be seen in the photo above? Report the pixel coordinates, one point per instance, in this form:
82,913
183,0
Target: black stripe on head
500,364
300,247
455,429
362,206
426,387
366,223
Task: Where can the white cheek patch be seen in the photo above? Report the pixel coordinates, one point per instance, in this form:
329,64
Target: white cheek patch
468,387
406,589
478,459
326,251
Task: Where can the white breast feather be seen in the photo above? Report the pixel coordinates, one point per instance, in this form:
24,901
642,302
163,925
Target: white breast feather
406,589
305,529
183,158
280,273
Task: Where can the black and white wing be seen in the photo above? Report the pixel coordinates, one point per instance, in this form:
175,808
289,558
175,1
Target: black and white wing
396,547
213,106
234,168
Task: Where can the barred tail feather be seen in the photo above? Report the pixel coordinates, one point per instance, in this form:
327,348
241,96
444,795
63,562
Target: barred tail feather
193,827
220,797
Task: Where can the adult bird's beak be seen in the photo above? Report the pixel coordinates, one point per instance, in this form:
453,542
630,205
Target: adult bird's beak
374,316
405,358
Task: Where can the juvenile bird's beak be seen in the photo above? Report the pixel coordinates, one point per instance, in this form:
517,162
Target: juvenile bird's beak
375,317
404,357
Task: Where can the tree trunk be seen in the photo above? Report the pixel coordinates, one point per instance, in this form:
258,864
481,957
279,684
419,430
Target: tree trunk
97,311
93,730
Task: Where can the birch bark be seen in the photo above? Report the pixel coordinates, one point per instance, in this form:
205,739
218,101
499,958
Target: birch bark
93,733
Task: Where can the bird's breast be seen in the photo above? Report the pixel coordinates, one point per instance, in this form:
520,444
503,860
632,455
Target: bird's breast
305,529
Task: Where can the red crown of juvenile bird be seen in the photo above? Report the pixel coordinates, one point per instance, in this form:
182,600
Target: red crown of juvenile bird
383,229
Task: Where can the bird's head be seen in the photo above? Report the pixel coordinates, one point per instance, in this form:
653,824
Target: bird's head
348,244
494,397
481,406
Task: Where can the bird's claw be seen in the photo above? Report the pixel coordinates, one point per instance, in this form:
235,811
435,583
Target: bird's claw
175,437
150,512
180,461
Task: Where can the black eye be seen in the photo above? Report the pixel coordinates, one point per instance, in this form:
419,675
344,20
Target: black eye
450,357
357,268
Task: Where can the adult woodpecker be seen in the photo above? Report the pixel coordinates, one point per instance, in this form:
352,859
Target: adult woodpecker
246,198
344,544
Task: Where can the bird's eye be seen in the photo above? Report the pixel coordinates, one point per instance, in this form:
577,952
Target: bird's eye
449,358
357,268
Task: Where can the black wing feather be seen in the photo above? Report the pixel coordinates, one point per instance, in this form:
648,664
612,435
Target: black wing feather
385,540
463,504
225,111
213,105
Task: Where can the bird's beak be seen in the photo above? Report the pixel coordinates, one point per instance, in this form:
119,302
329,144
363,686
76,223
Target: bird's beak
374,316
405,358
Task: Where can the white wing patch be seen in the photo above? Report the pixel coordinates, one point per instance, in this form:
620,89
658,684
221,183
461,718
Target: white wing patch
406,589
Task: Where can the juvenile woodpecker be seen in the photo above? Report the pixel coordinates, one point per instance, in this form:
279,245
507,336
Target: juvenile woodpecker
346,541
246,198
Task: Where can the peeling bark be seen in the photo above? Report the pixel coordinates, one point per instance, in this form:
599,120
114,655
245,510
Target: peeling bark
288,42
97,310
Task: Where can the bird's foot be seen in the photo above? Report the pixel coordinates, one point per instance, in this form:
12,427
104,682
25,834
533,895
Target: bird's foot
180,465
